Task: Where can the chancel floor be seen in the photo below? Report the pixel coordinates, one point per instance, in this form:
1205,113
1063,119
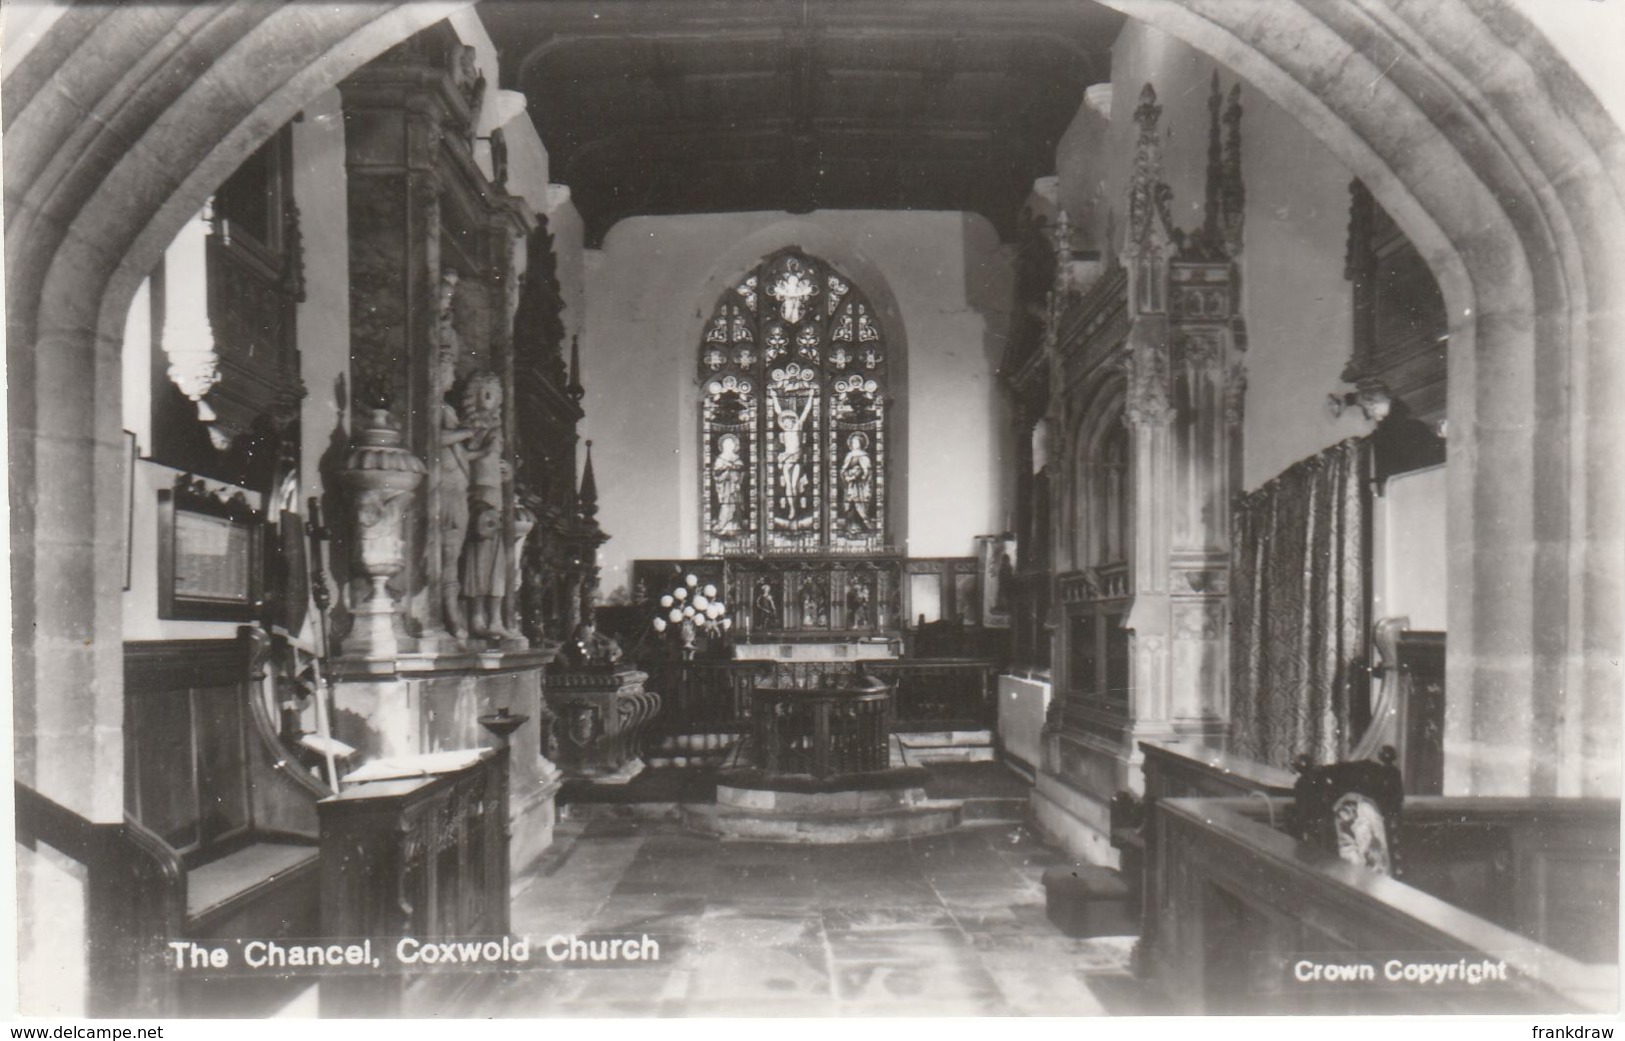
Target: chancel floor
948,925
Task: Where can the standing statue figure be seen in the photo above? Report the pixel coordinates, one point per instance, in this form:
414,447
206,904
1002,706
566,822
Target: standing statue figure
792,477
446,313
858,482
484,563
727,475
764,609
454,463
524,522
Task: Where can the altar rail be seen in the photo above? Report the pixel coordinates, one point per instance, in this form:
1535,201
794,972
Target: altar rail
1234,906
714,697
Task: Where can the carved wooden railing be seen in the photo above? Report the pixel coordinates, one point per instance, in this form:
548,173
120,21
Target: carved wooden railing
1234,905
821,733
713,697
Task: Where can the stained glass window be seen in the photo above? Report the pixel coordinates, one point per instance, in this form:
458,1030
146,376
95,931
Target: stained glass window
793,364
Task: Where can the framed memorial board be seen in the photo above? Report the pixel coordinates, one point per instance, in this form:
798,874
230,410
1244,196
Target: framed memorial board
210,554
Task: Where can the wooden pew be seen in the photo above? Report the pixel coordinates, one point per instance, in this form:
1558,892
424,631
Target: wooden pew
1239,912
221,812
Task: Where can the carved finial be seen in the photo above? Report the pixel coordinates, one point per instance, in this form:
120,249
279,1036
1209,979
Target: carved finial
574,387
1234,191
587,497
1062,232
1148,194
1213,201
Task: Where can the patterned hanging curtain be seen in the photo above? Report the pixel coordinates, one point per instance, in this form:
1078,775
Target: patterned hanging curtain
1299,608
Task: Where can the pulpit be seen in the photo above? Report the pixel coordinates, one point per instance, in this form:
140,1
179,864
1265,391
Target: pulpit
600,716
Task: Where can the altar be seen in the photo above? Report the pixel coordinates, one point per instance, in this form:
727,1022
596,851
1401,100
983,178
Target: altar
881,649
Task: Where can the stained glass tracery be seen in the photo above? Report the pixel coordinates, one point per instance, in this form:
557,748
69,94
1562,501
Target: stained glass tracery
793,419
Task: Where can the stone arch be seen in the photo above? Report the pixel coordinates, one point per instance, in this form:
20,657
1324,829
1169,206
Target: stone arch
1461,118
119,123
1504,169
1101,422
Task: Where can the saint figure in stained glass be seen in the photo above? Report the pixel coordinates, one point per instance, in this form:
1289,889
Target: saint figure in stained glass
857,481
728,478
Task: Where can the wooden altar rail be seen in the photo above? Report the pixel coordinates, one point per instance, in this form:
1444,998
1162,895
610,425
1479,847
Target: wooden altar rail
1237,912
710,697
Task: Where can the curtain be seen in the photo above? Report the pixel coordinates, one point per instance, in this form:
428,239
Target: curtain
1299,608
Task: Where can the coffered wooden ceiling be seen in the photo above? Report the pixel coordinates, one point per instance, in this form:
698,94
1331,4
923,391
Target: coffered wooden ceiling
705,106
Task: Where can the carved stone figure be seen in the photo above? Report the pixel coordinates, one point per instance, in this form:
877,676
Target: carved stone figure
814,596
765,608
858,595
581,722
454,474
445,313
484,563
524,522
727,477
858,482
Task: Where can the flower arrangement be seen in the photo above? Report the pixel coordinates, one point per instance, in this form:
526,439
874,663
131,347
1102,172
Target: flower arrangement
690,610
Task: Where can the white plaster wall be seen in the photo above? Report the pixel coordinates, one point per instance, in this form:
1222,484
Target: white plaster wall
564,221
942,286
323,323
1022,705
1295,299
1412,551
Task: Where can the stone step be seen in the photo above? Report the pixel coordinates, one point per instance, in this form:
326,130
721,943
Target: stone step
994,810
687,762
946,738
693,744
621,811
946,746
929,817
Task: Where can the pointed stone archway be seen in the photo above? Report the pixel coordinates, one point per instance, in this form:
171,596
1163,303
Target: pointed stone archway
1463,119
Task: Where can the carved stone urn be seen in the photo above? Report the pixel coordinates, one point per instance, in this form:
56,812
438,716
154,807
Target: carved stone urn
379,476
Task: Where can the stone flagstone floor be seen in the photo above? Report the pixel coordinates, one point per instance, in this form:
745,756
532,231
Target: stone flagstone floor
948,925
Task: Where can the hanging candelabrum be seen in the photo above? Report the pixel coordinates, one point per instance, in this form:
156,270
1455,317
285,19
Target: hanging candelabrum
689,610
380,477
